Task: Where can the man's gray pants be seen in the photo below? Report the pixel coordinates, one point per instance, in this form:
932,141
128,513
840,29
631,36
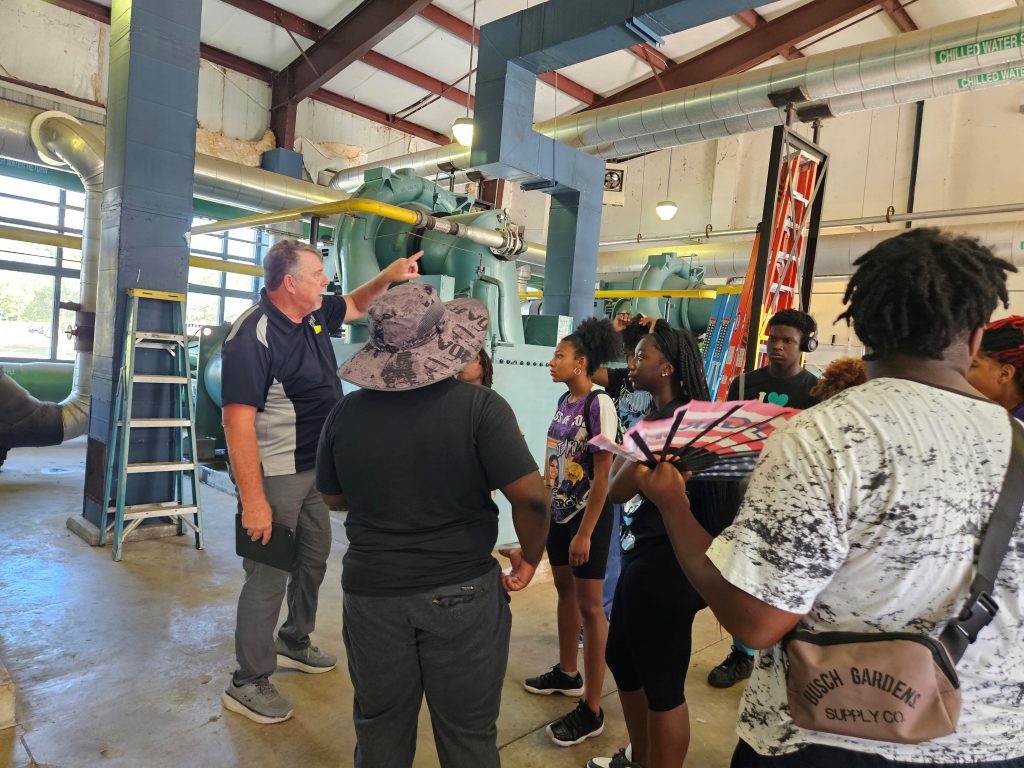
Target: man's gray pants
450,643
296,503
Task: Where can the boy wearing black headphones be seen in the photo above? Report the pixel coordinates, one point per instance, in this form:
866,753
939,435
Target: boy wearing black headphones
783,382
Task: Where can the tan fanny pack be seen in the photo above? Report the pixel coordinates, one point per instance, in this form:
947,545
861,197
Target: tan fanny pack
901,686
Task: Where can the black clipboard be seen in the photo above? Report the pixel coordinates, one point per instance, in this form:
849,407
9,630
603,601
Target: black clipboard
280,552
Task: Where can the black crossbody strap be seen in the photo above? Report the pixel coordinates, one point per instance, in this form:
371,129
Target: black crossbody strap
980,608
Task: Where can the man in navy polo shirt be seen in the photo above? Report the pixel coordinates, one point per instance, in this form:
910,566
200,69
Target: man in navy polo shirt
279,384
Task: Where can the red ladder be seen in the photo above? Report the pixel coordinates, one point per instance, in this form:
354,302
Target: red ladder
792,209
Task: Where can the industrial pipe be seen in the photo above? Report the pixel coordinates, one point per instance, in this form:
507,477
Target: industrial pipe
694,238
749,99
504,241
878,98
835,254
62,140
39,237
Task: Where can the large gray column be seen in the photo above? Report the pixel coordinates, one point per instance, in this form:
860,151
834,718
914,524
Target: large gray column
147,209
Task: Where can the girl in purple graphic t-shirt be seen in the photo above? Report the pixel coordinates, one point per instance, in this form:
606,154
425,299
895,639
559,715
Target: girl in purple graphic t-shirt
581,525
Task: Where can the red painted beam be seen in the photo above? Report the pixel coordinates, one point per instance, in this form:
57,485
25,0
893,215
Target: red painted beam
648,54
899,15
753,20
747,50
92,10
282,18
235,63
460,28
379,116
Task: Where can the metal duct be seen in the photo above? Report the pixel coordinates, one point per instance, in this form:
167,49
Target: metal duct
62,140
219,180
835,254
878,98
225,182
429,163
744,99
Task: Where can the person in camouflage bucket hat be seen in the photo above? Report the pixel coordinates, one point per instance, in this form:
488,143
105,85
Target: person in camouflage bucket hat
416,339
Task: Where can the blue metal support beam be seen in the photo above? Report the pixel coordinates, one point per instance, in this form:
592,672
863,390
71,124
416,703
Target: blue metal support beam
541,39
147,202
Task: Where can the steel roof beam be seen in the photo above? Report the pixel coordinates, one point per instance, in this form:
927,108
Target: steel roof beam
222,58
747,50
346,42
895,10
313,31
753,20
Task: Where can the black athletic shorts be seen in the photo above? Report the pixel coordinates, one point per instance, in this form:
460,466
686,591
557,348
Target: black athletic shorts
649,637
560,536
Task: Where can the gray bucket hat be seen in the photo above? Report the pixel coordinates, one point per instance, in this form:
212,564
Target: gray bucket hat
416,339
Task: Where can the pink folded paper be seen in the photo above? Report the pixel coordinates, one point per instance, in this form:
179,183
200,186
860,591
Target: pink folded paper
711,439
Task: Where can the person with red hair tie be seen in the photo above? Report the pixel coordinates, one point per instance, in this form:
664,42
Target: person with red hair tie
997,370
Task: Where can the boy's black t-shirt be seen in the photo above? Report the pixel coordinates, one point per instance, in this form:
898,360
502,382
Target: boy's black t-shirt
792,392
417,469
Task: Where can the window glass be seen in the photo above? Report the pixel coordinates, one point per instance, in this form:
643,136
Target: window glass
237,282
66,319
28,253
234,307
202,309
26,312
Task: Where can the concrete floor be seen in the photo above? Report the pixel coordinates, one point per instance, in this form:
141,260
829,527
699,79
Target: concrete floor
123,664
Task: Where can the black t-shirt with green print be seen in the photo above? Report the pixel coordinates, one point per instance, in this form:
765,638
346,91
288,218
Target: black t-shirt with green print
792,392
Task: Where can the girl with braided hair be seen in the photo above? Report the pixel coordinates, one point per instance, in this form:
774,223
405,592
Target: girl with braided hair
654,605
581,524
997,370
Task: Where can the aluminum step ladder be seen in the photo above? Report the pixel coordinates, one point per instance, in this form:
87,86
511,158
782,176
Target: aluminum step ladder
117,518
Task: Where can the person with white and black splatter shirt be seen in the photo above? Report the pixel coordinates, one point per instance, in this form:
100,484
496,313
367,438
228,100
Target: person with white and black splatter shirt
865,512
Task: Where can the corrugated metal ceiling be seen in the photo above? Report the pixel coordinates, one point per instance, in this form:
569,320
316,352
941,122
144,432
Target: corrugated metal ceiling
436,52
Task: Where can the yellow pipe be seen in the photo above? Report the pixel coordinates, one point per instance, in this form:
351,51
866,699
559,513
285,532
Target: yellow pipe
204,262
673,294
24,235
325,209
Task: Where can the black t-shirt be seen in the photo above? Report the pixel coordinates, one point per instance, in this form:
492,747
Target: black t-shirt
417,469
288,372
793,392
631,404
713,503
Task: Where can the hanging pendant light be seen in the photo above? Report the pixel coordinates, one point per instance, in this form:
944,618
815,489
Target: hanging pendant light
666,209
462,128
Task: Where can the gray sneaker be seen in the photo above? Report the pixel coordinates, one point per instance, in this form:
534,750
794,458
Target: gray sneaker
259,701
309,659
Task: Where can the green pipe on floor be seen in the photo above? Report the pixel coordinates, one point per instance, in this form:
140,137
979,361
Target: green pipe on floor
48,382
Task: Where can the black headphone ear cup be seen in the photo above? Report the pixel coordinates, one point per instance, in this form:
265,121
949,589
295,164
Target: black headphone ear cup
810,344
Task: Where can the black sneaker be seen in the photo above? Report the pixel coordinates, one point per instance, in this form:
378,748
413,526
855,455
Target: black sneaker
621,759
576,727
555,681
737,666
